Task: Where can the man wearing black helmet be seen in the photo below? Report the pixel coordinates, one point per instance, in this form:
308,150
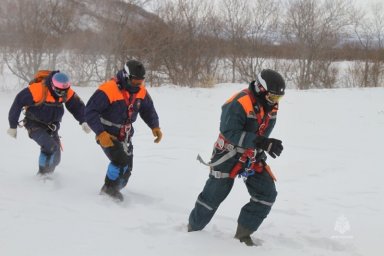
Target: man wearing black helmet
247,120
110,112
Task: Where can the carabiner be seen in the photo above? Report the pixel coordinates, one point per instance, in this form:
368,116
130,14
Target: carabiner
52,127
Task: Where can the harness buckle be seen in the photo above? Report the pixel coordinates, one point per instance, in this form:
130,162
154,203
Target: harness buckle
230,147
222,144
216,174
52,127
219,174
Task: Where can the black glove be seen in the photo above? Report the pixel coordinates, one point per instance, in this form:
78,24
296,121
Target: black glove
273,147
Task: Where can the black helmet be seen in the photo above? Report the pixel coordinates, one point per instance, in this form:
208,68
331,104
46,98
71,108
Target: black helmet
134,69
270,81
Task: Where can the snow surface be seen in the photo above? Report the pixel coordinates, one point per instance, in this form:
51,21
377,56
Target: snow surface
330,188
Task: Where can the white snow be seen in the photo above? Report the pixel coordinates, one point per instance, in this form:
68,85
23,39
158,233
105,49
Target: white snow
330,188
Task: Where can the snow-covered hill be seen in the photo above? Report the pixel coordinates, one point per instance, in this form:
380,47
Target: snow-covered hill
330,176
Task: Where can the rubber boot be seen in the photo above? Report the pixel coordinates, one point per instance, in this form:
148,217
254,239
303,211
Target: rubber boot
244,235
46,164
45,171
112,192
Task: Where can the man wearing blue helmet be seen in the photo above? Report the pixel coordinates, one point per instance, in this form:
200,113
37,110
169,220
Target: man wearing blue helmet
43,102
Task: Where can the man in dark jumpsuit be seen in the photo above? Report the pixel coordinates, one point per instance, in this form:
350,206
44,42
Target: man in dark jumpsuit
246,122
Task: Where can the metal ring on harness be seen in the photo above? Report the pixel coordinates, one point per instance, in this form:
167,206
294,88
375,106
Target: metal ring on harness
125,131
52,127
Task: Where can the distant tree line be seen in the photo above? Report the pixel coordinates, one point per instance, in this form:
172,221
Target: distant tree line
197,43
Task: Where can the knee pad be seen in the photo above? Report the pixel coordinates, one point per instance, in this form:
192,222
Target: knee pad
113,172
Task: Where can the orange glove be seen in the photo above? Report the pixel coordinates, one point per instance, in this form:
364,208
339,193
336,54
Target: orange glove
158,134
105,139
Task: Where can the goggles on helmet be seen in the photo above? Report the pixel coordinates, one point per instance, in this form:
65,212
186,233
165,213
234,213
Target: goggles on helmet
273,98
60,84
134,80
60,92
137,82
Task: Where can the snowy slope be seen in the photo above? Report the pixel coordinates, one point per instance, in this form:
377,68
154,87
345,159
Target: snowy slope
329,182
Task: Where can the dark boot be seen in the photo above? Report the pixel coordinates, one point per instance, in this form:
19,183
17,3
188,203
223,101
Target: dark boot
45,171
112,192
244,235
190,228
